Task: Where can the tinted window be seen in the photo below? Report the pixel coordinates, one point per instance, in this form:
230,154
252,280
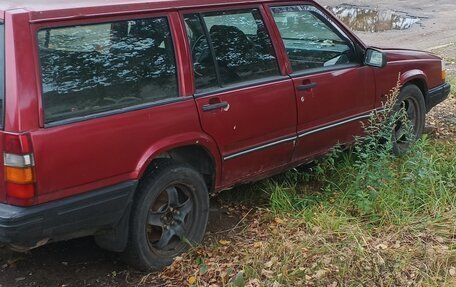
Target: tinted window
309,38
96,68
240,43
203,60
2,71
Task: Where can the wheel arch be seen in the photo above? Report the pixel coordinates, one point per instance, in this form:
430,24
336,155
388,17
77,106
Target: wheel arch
197,150
417,78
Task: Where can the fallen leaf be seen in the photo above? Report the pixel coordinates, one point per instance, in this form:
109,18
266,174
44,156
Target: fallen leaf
239,280
267,273
224,242
191,280
439,239
320,273
452,271
278,220
381,246
253,283
268,264
258,244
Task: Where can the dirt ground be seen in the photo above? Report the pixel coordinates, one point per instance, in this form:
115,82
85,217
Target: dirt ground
81,263
435,32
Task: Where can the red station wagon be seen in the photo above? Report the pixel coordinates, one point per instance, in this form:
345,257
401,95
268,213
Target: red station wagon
120,117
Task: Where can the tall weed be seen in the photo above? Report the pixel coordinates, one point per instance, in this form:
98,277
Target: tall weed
370,184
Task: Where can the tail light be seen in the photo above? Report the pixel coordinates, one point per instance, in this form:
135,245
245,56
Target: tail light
19,168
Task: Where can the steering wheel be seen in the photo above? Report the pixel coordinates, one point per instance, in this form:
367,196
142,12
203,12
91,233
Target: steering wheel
200,51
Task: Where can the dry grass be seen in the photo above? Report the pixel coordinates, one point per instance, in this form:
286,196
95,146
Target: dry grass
286,251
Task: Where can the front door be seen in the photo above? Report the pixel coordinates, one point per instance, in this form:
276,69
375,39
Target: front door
245,102
333,90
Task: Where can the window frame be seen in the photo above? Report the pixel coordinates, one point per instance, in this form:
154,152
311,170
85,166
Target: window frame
181,94
333,24
211,47
2,74
282,74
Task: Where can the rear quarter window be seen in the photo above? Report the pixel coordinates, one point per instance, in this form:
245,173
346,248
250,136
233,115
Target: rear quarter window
97,68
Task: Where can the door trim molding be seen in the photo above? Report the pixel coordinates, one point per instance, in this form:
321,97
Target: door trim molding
260,147
362,116
337,123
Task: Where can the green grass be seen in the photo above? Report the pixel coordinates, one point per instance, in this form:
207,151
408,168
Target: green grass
366,206
374,190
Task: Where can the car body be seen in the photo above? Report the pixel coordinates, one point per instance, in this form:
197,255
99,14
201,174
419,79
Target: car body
87,111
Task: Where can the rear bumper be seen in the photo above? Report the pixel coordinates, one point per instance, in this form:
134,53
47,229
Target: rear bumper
71,217
437,95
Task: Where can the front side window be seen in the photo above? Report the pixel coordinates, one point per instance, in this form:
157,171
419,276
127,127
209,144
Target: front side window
309,39
103,67
239,43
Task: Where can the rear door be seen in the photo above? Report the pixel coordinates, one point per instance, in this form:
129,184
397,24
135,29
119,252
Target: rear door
245,100
333,90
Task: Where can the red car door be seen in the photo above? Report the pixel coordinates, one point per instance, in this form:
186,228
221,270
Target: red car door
245,102
334,92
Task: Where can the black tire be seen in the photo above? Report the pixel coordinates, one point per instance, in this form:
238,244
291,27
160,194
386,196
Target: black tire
169,213
410,99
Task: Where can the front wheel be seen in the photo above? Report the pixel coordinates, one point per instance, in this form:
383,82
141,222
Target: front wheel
409,126
169,214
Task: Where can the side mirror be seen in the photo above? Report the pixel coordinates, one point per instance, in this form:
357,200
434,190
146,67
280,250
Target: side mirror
374,58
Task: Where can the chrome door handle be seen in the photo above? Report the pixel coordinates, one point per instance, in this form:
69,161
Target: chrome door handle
306,87
211,107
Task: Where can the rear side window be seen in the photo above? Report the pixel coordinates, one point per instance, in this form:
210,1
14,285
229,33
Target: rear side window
239,43
103,67
2,72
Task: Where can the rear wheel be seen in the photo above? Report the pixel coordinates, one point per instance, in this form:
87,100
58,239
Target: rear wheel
169,214
409,128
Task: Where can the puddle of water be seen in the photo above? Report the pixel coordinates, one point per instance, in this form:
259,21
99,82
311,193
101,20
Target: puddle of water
372,20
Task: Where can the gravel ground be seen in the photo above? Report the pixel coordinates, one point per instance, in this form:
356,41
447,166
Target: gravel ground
81,263
436,28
